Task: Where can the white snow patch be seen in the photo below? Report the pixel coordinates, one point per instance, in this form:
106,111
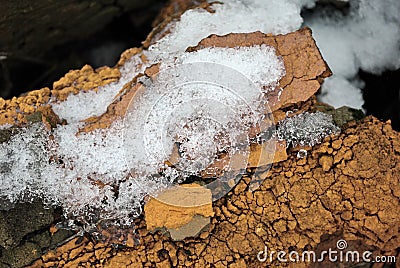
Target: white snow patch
258,63
86,104
5,126
233,16
339,92
367,38
273,16
204,118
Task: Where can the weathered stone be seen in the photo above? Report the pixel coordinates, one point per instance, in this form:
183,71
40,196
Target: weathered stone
305,67
176,207
342,115
23,220
191,229
21,256
13,228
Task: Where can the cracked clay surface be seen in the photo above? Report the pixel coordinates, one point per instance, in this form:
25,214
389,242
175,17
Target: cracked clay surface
348,185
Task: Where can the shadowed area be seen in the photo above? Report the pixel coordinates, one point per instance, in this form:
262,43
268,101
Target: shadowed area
42,40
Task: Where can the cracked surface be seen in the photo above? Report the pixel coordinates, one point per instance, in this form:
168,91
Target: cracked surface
347,187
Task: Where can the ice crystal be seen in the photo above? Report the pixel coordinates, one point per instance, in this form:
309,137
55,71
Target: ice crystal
306,129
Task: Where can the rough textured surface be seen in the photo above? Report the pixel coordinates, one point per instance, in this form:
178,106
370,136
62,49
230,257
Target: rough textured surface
176,207
192,229
16,110
302,204
258,159
24,233
12,229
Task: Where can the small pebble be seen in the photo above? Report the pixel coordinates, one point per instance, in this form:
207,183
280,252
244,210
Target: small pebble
302,153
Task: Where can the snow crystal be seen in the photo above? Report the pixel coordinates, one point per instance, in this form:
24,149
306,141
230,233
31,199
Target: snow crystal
95,103
5,126
76,172
306,129
198,105
202,102
346,42
258,63
256,15
20,161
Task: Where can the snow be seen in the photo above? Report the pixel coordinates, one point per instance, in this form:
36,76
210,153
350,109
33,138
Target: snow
258,63
347,42
20,162
338,91
5,126
202,101
306,129
273,16
95,103
367,38
64,172
195,99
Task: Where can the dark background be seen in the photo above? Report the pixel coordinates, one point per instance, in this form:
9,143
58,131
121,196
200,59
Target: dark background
41,40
